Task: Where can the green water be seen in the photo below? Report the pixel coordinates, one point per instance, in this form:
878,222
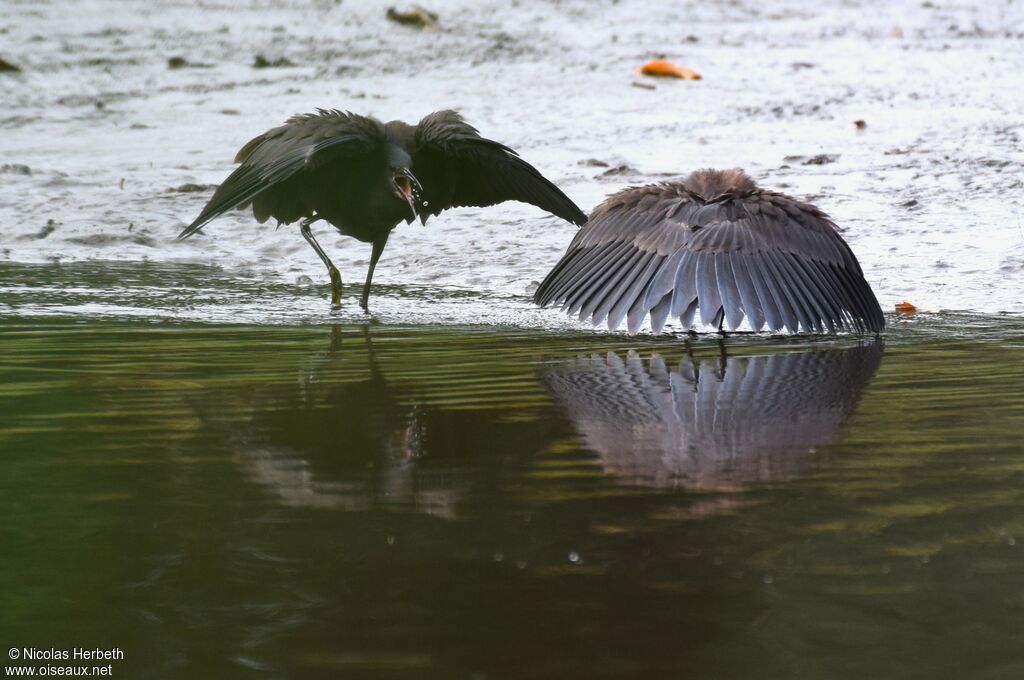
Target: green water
461,502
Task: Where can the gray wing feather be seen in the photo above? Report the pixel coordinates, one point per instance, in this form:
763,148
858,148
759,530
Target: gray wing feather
614,300
813,303
684,286
594,275
659,313
732,302
772,314
596,263
757,255
790,291
630,297
598,294
790,322
707,288
828,298
663,279
748,294
686,318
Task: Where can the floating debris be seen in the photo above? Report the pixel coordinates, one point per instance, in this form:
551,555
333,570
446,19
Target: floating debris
193,188
662,68
417,17
644,86
906,309
96,240
822,159
860,124
44,231
621,169
15,169
281,62
48,228
181,62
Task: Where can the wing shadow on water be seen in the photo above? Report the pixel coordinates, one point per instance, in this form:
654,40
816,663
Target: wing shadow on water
711,424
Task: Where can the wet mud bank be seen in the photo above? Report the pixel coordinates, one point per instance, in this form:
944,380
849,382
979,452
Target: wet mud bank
118,123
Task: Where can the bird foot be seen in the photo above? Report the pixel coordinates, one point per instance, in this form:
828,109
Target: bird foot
335,288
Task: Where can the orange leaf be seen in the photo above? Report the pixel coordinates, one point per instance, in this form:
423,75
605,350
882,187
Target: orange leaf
666,69
906,309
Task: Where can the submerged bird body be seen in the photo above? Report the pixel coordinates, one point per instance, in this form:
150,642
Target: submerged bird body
365,177
716,244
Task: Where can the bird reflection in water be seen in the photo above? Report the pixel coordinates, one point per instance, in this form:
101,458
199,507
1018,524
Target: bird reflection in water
715,424
347,444
352,435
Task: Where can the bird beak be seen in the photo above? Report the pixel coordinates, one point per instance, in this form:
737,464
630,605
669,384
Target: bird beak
408,189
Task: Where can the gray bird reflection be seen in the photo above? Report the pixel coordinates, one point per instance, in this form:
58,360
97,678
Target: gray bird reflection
711,424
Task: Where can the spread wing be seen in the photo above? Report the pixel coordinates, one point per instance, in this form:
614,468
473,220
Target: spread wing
279,168
458,167
665,251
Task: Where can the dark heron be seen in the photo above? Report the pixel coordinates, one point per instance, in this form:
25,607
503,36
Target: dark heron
364,177
718,243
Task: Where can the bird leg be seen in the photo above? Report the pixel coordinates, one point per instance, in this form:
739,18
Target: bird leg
723,357
331,269
378,248
720,317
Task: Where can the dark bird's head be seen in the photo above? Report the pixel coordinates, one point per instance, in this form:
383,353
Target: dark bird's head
404,184
407,188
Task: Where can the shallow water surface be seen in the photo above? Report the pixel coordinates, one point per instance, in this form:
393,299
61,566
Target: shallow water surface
371,500
205,466
107,152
